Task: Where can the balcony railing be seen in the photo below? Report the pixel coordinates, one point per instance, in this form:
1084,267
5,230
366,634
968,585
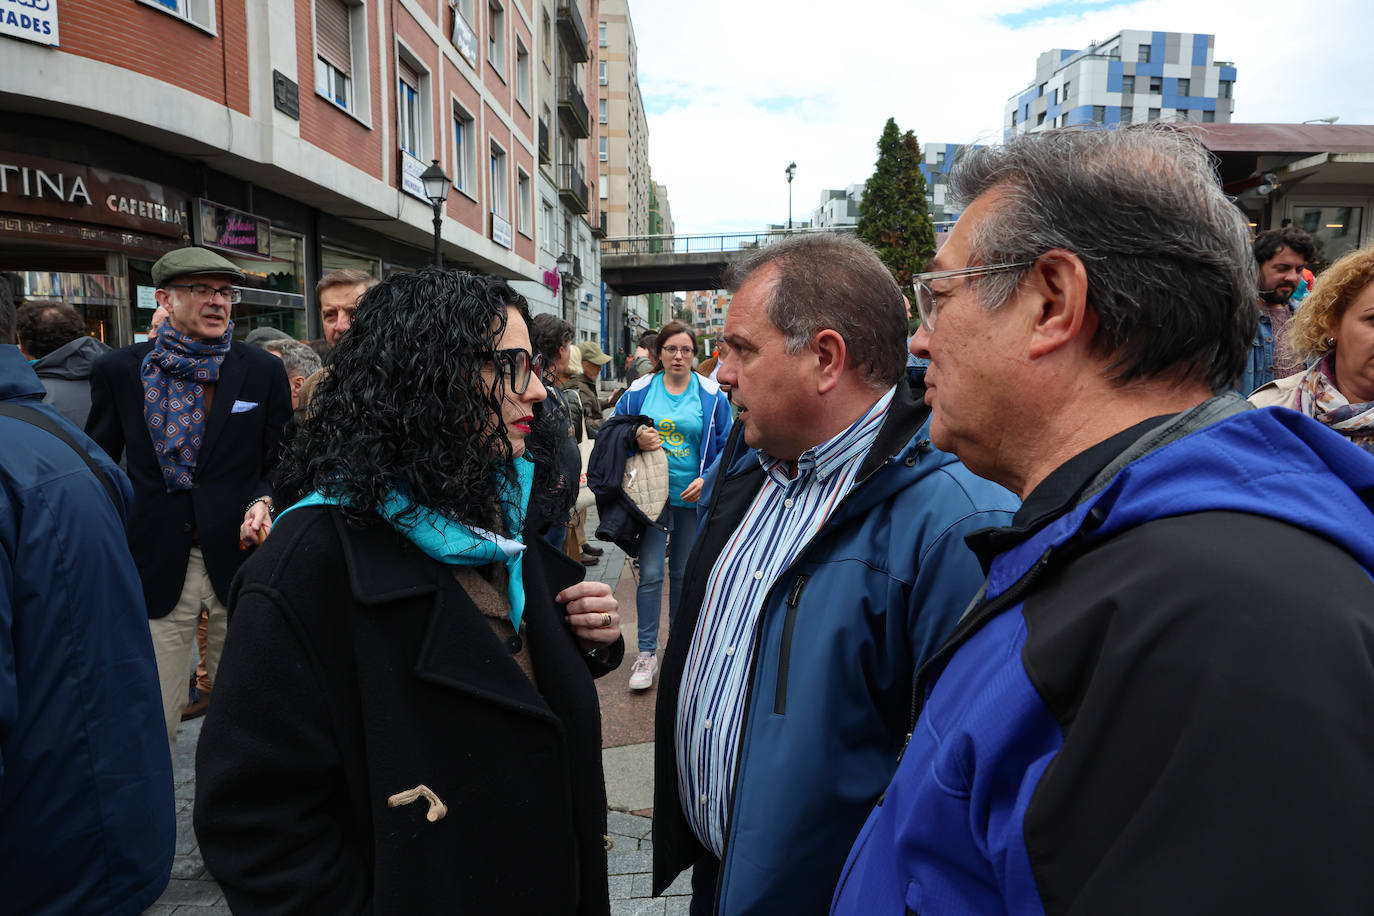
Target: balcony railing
688,244
572,188
599,226
572,31
573,109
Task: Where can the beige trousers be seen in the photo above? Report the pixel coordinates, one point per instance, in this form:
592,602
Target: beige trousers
174,634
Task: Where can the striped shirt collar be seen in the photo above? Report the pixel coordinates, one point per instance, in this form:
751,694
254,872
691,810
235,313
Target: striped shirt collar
824,459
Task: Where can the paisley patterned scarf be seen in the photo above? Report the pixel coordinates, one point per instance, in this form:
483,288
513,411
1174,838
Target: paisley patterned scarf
175,373
1319,399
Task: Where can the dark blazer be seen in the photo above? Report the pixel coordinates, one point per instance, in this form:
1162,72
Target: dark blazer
356,667
236,463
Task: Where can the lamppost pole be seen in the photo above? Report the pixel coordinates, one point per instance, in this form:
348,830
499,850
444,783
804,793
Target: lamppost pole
436,189
438,244
791,168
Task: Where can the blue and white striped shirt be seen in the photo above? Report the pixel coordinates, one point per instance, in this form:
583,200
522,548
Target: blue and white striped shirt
784,517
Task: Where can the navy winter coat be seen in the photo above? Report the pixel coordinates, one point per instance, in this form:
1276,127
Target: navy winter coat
87,822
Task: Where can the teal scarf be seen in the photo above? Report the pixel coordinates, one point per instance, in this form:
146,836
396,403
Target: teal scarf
455,544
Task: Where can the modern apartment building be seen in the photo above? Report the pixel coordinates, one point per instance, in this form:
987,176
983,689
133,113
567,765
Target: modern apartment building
660,223
709,308
289,135
936,161
568,258
623,153
838,207
1133,76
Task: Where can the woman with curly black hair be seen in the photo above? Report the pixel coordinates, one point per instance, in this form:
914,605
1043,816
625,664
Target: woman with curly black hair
404,719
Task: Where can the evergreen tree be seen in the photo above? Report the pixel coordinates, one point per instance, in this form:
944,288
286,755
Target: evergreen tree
893,216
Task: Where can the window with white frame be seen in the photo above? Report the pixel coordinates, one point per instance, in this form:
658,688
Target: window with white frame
197,12
408,108
546,41
602,107
334,52
340,52
522,73
496,35
500,194
601,72
464,152
604,185
524,201
602,145
601,34
467,9
546,238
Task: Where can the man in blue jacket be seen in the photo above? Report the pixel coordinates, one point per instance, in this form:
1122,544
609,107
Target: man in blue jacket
1163,700
87,824
829,563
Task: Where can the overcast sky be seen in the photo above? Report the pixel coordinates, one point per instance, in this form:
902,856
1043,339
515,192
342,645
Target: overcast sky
735,89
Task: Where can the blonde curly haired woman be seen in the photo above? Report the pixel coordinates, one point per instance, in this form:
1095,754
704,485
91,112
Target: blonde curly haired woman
1334,332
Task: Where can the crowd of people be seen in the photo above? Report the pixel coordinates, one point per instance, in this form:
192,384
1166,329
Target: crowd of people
1038,614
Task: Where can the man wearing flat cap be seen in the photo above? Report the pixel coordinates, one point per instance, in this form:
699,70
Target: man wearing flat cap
199,420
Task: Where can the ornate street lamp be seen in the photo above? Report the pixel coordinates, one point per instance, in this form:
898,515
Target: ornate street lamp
436,189
791,168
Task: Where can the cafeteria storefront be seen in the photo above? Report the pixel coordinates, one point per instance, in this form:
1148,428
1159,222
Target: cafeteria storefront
80,223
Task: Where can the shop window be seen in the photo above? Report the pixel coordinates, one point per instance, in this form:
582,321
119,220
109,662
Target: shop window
336,258
1335,229
197,12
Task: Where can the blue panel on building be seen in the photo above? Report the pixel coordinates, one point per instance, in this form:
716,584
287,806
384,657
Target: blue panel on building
1158,47
1227,73
1200,50
1065,54
1113,76
1113,115
1153,68
1083,114
1052,110
1207,104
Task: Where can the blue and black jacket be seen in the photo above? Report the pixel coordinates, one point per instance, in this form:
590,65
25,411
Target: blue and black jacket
839,637
1164,700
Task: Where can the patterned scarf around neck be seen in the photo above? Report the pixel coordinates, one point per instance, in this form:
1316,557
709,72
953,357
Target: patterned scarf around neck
1319,399
175,373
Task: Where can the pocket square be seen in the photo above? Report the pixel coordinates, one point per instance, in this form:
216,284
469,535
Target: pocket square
243,406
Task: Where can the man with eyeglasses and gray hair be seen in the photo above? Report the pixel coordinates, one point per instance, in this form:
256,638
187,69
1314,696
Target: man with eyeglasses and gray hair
198,420
1163,698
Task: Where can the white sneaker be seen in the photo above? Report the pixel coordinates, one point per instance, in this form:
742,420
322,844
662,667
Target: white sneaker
642,674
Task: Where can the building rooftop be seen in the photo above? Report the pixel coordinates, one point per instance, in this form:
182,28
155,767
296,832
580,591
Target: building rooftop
1285,138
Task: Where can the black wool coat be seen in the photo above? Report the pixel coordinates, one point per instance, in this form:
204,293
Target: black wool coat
237,461
357,668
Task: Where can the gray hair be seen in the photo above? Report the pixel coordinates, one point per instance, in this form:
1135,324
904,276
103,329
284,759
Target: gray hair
835,282
298,358
1167,255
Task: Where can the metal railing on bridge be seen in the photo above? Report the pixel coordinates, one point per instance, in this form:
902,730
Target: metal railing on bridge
704,243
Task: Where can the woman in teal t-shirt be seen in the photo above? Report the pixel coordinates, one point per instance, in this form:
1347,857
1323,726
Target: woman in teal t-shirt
674,399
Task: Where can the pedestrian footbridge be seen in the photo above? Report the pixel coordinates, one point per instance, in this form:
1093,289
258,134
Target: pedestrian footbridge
667,263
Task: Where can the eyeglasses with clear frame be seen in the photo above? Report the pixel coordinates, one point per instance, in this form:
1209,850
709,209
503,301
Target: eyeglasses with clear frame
678,351
517,366
926,304
206,291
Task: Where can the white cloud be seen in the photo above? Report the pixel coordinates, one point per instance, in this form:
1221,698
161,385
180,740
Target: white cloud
735,89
